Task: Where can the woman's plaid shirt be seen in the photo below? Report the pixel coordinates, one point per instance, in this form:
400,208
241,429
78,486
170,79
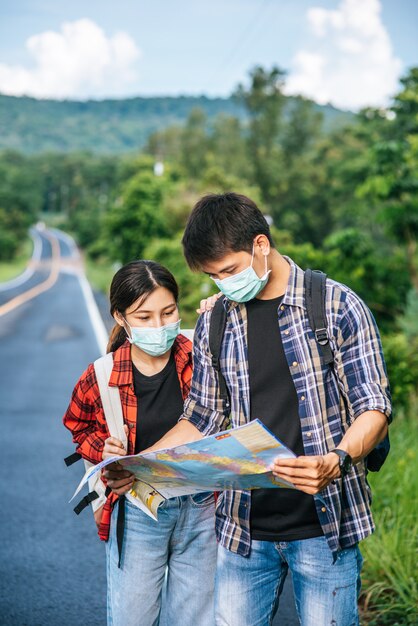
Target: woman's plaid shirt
85,417
358,382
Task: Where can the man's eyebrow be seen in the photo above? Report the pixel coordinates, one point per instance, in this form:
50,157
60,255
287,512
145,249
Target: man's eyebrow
224,269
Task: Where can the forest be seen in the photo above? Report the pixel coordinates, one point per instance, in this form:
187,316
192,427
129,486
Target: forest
340,197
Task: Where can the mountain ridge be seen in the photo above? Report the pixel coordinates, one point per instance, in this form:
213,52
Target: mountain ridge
112,126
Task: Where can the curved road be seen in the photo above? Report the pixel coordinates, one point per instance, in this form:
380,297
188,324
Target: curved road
52,566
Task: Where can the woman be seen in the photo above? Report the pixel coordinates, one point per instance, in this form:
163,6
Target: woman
152,368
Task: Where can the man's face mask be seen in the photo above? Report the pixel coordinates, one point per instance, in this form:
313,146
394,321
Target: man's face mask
245,285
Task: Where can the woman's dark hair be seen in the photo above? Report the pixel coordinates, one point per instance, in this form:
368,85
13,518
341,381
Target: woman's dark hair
136,280
219,224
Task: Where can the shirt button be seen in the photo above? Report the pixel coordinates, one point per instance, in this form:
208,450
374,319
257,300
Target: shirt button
287,332
131,425
302,398
282,308
309,434
294,363
323,510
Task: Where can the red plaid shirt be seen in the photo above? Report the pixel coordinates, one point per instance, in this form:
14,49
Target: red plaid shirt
85,417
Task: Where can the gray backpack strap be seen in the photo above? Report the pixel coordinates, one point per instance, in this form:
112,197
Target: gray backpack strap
110,396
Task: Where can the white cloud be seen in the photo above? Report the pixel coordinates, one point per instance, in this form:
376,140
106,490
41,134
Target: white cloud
350,62
79,61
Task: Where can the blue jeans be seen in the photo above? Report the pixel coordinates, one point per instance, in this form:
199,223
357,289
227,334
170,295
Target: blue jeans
248,588
167,573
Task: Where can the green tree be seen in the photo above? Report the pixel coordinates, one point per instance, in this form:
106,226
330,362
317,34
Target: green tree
393,181
136,218
263,100
20,201
194,144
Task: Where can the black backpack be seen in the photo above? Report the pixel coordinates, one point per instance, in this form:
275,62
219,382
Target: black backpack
315,296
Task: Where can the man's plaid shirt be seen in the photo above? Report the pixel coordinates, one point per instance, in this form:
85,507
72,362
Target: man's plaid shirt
328,403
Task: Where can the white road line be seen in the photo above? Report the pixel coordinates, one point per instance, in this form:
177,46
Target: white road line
30,269
100,331
101,334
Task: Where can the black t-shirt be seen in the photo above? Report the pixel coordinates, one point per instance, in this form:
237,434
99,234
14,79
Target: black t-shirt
160,404
276,514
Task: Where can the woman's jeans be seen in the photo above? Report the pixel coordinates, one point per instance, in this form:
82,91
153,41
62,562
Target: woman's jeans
167,573
248,588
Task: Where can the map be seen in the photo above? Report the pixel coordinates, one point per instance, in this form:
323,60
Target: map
238,459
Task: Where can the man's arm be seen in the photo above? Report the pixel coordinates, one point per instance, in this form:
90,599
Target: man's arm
202,414
183,432
361,370
311,474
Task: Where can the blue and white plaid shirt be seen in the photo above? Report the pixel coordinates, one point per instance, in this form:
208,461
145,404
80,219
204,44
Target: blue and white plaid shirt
329,401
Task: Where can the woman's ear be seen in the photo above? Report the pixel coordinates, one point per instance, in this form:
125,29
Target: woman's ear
119,319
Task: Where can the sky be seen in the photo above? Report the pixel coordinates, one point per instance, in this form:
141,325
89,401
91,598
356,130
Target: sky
350,53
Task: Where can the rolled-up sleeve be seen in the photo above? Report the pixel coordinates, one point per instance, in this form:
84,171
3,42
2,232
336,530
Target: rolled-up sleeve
84,418
360,362
204,406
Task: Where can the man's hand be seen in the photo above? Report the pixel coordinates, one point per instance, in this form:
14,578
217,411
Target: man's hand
310,474
118,479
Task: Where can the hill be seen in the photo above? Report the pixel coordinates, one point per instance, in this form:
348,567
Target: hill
110,126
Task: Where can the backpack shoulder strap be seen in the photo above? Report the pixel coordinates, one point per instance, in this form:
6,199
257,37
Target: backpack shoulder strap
216,332
315,298
110,396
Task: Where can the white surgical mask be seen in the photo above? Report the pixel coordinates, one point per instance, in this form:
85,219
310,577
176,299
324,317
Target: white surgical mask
154,341
245,285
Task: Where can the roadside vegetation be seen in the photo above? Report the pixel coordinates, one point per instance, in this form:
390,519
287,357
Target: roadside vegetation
12,268
344,200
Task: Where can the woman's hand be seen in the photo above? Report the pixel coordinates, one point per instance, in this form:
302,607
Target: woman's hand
113,447
208,303
118,479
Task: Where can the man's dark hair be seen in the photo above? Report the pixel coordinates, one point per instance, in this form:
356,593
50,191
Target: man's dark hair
219,224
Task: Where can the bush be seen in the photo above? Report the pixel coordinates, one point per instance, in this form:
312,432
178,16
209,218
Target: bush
401,357
390,574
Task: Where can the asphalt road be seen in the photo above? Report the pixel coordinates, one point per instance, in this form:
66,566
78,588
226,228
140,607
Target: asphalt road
52,565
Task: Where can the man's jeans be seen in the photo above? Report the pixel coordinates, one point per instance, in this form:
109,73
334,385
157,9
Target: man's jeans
248,588
167,565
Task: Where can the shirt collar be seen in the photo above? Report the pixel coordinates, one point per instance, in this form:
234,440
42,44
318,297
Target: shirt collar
122,362
122,366
295,291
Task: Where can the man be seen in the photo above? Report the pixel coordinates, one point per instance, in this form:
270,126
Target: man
274,372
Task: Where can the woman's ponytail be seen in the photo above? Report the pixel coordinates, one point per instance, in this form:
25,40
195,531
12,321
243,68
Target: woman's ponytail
116,339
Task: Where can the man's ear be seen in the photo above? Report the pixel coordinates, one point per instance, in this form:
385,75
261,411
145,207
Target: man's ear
262,243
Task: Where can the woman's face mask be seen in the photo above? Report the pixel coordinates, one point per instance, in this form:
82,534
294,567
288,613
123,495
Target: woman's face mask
154,341
245,285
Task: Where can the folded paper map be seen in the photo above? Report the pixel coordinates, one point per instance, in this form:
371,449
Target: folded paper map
239,459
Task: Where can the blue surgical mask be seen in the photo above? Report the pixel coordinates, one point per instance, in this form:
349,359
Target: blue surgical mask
244,286
154,341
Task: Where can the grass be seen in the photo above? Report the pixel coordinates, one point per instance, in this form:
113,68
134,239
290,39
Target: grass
99,273
390,573
12,269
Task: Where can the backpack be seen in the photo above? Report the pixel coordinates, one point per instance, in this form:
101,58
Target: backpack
315,297
112,408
